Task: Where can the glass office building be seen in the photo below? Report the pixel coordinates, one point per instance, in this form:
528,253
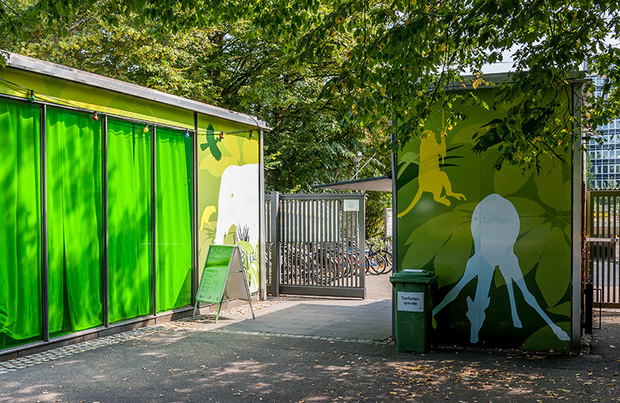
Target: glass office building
604,158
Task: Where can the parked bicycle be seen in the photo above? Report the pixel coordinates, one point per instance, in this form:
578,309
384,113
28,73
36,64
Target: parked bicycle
317,263
377,260
386,251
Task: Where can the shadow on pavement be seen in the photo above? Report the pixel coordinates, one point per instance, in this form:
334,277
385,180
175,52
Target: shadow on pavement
351,319
193,365
606,340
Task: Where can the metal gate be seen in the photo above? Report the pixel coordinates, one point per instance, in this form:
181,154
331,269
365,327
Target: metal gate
602,271
315,244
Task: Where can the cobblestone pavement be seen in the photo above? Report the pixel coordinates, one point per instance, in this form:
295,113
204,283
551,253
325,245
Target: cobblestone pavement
66,351
378,288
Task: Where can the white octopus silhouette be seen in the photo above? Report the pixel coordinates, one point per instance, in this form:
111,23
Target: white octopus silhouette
494,227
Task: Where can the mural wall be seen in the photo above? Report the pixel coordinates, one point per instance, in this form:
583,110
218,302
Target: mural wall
499,241
228,191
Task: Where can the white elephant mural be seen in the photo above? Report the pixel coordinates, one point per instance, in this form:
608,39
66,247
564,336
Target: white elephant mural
238,206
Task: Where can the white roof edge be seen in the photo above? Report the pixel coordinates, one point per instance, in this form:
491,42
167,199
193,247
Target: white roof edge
503,77
30,64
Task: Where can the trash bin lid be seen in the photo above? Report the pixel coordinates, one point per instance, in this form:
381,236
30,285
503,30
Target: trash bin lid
414,276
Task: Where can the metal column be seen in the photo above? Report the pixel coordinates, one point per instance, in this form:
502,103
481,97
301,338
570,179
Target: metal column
104,193
153,221
44,235
262,281
276,248
195,213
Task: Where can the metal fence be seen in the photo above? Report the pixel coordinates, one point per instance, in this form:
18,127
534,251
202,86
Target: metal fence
315,244
602,271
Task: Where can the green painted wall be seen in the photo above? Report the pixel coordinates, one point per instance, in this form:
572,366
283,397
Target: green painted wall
65,93
499,241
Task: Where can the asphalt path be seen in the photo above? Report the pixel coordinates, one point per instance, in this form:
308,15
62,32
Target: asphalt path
236,361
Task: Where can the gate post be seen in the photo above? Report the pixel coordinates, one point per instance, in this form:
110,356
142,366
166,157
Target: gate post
275,244
588,308
261,219
362,241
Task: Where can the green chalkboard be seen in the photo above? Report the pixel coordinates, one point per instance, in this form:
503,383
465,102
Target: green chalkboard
215,274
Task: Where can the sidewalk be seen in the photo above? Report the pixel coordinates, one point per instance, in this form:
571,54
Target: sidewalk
313,317
325,318
304,349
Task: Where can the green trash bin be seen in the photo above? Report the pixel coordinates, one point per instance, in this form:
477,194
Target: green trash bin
414,309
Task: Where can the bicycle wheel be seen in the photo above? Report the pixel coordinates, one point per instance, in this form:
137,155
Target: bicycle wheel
382,264
367,265
323,275
377,263
388,261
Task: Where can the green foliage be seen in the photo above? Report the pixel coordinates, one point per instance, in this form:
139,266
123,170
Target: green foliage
331,76
403,59
376,203
229,61
376,61
130,52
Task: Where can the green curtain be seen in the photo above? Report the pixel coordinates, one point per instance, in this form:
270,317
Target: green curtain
129,220
74,197
174,217
20,224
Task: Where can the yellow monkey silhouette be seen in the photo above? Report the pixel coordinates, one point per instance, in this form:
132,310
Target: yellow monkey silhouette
430,178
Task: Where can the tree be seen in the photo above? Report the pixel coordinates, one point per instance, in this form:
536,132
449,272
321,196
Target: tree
372,62
224,63
398,59
403,60
409,55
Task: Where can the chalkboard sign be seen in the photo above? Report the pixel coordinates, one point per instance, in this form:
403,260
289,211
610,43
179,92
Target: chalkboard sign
223,275
215,274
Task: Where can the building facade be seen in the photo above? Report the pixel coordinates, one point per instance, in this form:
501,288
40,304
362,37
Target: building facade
604,157
111,197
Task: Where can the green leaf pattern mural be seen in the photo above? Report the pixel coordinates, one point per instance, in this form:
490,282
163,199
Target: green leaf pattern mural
499,241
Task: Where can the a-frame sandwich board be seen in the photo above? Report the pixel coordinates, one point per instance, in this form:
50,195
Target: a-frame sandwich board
223,275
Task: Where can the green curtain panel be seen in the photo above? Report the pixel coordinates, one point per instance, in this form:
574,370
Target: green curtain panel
129,220
74,195
20,225
174,217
